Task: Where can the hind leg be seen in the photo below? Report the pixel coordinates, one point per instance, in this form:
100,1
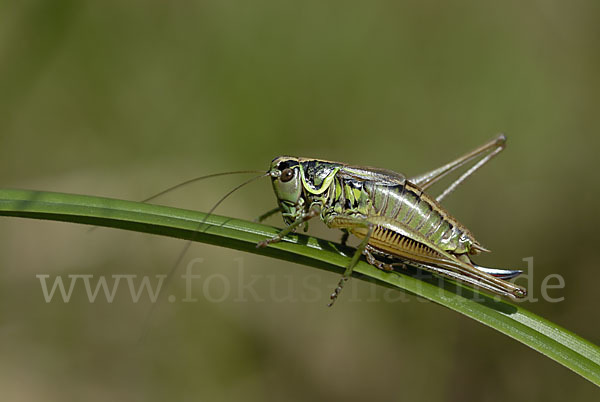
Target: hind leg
370,253
375,262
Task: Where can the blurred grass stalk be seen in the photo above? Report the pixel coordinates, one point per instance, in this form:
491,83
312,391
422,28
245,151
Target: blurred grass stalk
568,349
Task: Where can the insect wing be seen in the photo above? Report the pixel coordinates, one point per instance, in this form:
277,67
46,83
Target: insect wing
380,176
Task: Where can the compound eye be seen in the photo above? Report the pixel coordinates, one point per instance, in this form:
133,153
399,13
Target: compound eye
287,175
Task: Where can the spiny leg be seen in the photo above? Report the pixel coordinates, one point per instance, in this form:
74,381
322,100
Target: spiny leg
425,180
350,267
290,228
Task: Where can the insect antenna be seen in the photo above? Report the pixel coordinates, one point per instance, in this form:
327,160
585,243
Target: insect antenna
195,179
197,231
185,183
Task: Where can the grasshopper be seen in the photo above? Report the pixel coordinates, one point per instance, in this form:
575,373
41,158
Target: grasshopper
397,221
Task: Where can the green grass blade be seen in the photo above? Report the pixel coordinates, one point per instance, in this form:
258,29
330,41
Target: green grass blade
575,353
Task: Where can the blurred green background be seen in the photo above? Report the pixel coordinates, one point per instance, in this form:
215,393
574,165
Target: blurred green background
123,99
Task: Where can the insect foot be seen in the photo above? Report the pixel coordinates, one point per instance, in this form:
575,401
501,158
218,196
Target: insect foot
266,242
337,291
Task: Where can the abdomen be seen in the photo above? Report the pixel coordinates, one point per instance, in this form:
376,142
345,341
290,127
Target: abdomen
408,205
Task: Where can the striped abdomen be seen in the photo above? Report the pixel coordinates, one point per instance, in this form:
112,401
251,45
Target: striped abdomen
408,205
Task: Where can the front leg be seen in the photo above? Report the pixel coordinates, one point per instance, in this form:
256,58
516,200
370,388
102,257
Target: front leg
267,214
303,218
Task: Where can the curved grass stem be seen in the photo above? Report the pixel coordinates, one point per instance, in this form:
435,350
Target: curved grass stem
568,349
